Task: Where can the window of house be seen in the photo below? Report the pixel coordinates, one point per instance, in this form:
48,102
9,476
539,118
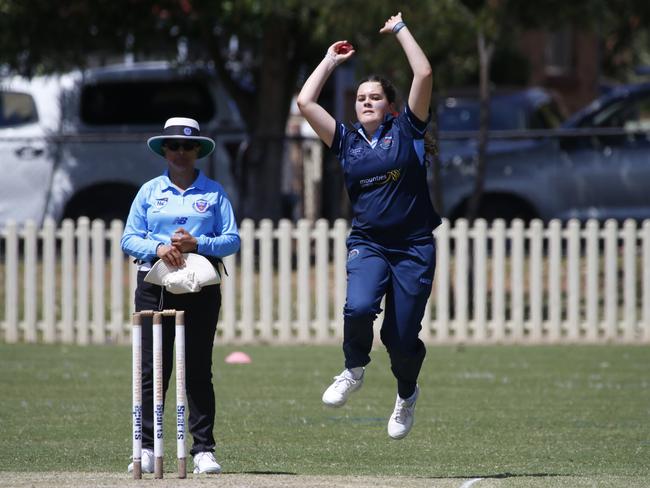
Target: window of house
558,55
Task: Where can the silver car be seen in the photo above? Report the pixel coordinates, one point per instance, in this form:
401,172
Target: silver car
595,165
73,144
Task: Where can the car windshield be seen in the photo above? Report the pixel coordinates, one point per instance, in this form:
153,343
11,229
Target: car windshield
128,102
630,113
456,114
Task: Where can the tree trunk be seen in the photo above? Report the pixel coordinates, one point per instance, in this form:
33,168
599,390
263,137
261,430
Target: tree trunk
260,193
436,190
485,57
258,170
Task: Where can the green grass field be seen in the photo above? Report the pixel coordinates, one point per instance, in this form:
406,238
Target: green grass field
514,416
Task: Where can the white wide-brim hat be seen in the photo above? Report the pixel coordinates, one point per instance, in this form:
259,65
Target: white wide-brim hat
181,128
195,274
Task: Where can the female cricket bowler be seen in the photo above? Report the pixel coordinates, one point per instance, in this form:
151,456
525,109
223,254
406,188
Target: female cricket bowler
391,250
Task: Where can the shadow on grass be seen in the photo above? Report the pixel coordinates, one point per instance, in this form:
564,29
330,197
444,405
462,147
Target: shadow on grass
482,476
501,476
268,472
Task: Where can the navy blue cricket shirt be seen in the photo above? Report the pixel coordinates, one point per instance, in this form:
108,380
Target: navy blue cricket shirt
386,178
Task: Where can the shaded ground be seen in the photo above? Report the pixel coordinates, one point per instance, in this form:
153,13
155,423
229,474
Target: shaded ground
113,480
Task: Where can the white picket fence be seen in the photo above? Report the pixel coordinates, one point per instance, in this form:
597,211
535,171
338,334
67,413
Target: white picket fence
525,285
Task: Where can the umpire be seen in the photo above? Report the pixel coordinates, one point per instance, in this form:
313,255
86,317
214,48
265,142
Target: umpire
182,211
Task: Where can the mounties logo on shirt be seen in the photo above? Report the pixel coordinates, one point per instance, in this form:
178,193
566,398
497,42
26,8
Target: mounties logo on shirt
201,205
161,202
392,175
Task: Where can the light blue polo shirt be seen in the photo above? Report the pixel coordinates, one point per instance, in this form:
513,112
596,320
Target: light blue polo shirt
160,208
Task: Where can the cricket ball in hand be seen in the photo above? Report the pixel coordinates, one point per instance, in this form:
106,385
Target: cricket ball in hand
344,48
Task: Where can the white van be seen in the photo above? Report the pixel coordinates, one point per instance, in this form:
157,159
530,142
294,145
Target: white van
75,144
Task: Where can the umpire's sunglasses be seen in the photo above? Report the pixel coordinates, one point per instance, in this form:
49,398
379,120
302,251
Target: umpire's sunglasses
176,145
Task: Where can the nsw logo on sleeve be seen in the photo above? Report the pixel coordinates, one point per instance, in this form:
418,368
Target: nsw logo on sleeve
201,205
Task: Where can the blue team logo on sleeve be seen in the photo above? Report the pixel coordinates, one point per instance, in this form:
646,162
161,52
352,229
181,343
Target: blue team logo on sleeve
161,202
201,205
386,142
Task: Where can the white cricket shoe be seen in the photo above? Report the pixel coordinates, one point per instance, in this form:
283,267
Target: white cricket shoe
339,391
146,461
401,421
204,462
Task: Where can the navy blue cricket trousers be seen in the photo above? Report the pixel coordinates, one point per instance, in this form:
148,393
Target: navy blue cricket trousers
404,274
201,313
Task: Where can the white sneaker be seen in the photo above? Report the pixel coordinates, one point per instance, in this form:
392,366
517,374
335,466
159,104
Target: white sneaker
401,421
204,462
344,384
146,461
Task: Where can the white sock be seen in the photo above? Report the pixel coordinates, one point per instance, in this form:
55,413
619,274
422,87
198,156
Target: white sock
356,372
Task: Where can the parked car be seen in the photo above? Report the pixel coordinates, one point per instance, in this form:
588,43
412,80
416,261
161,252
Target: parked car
521,110
596,166
531,108
73,144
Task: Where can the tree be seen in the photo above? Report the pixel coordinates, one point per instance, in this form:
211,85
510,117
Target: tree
494,21
276,33
277,37
278,40
485,21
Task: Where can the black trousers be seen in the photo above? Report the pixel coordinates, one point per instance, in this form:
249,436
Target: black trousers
201,313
